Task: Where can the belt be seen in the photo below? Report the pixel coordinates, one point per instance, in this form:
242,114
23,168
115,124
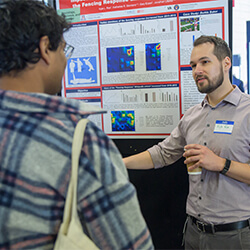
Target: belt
211,228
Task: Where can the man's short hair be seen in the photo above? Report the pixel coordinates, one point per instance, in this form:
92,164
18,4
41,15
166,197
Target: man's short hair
22,24
221,48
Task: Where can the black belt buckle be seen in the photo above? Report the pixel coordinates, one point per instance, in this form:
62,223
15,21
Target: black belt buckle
201,226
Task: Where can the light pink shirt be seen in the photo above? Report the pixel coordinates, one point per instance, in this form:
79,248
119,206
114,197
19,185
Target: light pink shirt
213,197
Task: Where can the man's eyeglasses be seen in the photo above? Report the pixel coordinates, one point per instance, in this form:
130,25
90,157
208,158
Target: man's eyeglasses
68,50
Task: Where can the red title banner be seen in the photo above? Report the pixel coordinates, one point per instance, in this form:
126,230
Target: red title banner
95,6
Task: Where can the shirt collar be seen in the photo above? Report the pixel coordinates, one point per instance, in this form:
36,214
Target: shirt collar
233,97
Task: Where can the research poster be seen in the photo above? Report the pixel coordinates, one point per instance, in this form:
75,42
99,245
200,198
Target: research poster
131,58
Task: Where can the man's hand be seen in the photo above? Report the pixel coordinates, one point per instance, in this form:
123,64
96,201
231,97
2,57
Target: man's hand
203,157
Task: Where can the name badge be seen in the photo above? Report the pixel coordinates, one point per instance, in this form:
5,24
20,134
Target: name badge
223,127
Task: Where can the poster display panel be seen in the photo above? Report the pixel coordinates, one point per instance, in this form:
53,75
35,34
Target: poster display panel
132,57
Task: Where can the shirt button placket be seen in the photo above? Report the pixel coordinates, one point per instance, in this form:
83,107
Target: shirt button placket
205,143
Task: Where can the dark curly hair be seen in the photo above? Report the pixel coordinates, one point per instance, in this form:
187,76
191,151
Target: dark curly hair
221,48
22,24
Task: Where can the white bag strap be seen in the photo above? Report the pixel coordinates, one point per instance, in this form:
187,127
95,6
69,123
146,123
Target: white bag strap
72,189
76,152
71,235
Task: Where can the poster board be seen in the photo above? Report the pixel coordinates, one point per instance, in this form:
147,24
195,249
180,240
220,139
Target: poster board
131,58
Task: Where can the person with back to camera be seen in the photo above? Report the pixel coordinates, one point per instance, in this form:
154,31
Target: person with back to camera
215,135
36,132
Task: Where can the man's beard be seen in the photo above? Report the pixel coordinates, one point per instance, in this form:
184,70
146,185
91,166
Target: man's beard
212,84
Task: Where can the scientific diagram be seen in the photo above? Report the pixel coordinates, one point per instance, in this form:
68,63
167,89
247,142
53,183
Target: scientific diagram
153,56
82,71
120,59
123,120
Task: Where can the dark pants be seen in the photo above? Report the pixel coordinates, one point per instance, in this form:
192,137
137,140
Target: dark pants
197,240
